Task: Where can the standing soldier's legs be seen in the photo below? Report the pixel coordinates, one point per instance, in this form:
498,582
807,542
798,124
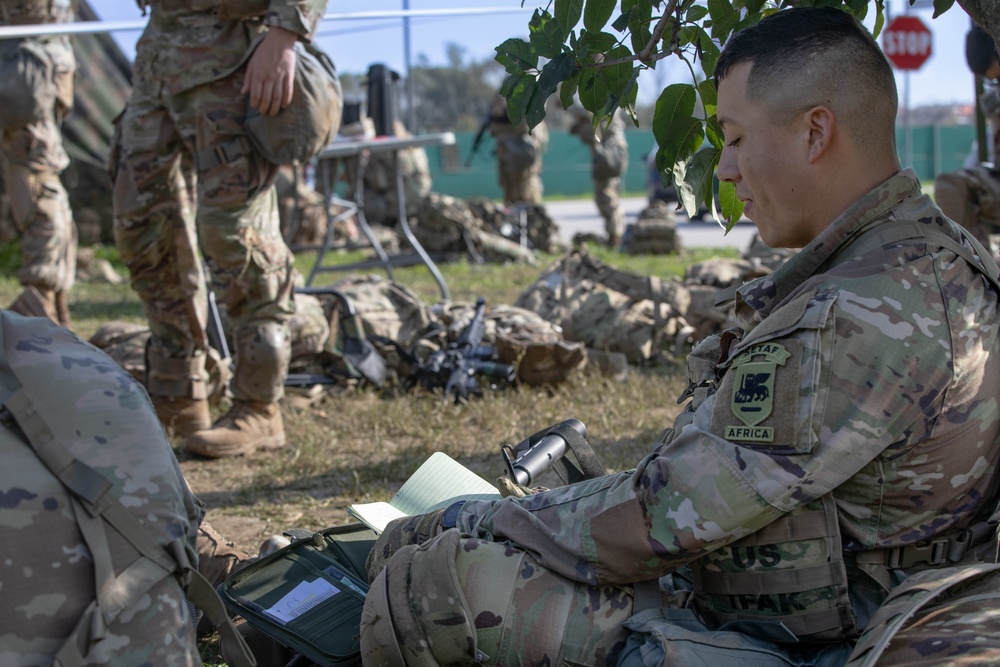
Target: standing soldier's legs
39,205
154,232
607,196
250,265
461,600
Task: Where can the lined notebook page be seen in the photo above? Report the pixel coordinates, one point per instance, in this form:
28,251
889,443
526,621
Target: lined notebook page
437,483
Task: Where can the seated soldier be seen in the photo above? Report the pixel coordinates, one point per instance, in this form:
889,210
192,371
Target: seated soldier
846,428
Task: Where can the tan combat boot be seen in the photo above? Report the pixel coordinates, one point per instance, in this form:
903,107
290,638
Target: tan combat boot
36,302
247,427
182,416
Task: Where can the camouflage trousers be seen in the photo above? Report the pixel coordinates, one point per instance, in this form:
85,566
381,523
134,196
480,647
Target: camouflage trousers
608,197
462,600
33,158
173,150
520,185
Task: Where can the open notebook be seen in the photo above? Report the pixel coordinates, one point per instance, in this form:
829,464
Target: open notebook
436,484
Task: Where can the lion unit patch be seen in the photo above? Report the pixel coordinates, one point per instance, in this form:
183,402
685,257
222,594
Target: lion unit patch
752,397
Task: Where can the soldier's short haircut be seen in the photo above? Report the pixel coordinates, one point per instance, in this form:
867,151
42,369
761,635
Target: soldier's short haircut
980,50
801,58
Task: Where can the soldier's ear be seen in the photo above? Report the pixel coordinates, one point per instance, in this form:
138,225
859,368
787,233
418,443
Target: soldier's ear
821,124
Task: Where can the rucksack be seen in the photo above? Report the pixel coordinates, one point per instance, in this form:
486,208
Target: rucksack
47,373
609,309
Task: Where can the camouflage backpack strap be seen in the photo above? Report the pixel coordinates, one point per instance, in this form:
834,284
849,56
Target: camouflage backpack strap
96,509
920,591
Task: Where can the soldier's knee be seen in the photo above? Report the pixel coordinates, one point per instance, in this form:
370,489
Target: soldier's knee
379,646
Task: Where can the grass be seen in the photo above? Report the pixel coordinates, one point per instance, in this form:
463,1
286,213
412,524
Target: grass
357,445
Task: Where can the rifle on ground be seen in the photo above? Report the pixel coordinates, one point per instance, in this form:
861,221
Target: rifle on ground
456,367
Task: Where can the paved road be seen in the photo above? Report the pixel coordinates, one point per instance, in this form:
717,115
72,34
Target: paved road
581,215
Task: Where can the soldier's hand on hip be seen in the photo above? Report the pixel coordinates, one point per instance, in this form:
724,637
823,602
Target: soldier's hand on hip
271,72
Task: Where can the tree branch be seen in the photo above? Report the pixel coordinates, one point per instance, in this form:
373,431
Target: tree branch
661,25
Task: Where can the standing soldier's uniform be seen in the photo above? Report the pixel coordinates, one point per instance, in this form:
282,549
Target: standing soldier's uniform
519,156
33,157
182,140
971,196
609,160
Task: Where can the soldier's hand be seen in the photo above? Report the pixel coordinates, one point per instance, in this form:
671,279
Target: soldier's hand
400,533
270,72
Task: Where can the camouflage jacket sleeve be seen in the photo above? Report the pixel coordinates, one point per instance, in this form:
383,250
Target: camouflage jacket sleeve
298,16
856,384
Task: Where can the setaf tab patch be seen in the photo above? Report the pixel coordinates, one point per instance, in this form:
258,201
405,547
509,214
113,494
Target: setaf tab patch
752,395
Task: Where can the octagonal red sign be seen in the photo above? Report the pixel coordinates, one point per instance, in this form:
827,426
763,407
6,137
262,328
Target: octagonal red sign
907,42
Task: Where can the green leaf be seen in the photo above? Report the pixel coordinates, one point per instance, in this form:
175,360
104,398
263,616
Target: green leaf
678,133
516,55
713,132
879,21
545,34
640,16
694,179
621,23
521,89
567,90
555,72
599,84
591,43
941,6
568,14
724,18
596,14
696,13
708,96
686,35
732,208
709,51
754,6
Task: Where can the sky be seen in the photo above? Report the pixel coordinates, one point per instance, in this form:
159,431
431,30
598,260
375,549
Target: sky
354,44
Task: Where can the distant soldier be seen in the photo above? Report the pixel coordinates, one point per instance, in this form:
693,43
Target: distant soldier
609,160
36,84
971,196
380,197
200,69
519,156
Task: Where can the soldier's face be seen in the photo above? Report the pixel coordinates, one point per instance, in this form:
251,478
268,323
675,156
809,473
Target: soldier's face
763,158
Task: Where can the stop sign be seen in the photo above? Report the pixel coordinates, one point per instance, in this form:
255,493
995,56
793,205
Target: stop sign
907,42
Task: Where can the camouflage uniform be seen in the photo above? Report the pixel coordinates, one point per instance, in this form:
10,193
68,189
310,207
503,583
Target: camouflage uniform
519,156
380,198
880,402
34,157
971,196
184,125
609,159
57,580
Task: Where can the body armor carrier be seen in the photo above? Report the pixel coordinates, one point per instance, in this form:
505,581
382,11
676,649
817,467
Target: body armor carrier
792,571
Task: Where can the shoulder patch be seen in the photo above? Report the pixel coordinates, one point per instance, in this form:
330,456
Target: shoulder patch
761,378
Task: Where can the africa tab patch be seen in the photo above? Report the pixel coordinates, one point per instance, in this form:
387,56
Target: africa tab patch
752,398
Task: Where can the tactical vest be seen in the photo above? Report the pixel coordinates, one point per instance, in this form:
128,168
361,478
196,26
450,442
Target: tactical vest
113,535
793,571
